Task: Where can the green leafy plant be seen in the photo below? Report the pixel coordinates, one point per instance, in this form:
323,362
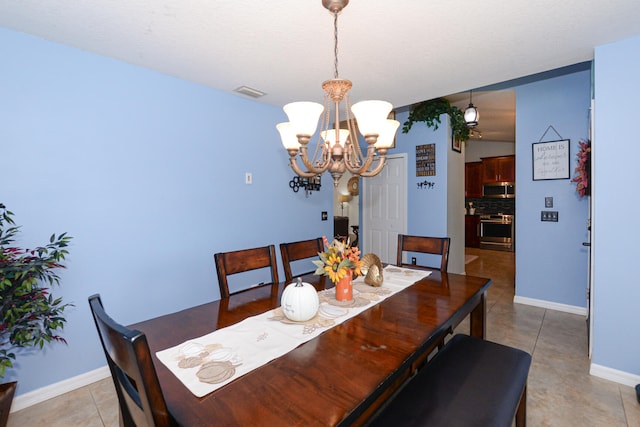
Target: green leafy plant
29,315
430,111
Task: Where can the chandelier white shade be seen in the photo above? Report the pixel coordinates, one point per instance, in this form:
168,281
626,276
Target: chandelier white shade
288,136
387,134
303,116
371,116
330,136
338,149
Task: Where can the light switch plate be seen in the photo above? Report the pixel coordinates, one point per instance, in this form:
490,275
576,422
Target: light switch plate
548,202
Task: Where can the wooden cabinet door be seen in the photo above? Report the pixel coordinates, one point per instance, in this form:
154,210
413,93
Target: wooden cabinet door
507,169
471,231
490,169
498,169
473,179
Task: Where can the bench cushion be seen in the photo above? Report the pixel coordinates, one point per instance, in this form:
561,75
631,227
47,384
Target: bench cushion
470,382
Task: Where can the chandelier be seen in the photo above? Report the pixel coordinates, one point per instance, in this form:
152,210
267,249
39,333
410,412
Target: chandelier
337,149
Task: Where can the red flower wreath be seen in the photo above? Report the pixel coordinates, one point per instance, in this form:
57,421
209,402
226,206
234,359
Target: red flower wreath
583,170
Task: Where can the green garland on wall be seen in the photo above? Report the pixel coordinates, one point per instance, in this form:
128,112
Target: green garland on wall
430,111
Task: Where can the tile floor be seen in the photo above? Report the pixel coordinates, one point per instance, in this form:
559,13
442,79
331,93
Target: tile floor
561,391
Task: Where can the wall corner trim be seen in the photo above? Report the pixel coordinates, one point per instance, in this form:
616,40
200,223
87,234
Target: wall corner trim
620,377
572,309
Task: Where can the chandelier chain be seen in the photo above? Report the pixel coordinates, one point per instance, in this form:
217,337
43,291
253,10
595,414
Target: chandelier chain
335,44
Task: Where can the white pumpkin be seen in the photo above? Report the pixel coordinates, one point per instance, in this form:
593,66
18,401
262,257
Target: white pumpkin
299,301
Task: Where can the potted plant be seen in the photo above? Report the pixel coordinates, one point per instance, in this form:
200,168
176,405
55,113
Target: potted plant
29,315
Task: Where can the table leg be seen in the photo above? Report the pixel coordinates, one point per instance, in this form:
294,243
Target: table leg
478,327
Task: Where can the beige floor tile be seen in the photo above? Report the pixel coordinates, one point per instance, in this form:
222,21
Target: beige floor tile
631,405
75,408
104,395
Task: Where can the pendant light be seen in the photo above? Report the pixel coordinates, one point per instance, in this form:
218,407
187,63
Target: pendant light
471,114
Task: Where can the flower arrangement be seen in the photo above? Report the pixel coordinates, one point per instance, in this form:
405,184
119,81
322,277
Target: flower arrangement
583,170
338,259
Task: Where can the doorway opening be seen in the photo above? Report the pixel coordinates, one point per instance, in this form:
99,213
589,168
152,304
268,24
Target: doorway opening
346,209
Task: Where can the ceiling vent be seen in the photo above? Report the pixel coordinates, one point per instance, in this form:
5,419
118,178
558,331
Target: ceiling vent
246,90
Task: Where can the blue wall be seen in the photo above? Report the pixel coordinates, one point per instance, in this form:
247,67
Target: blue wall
147,173
551,263
616,341
427,213
427,207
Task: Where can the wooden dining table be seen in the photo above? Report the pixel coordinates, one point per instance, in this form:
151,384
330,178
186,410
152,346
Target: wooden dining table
338,378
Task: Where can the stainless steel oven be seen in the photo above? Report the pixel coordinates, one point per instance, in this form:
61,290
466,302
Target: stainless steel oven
497,232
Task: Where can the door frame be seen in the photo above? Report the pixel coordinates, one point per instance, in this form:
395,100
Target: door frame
591,263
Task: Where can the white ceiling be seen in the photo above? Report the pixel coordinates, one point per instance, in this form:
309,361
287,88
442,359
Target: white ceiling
403,51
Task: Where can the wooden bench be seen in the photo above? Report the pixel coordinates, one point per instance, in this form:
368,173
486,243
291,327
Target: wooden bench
470,382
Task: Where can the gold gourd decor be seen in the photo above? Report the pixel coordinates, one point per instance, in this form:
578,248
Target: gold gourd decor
372,270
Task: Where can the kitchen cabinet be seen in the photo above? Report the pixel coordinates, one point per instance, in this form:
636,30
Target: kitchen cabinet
472,231
499,169
473,179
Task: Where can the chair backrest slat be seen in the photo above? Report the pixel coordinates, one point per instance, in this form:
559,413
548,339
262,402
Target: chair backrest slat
424,244
295,251
229,263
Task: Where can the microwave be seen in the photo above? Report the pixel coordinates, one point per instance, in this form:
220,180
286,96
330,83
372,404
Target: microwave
499,190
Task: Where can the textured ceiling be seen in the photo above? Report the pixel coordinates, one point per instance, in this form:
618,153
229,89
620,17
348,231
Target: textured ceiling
403,51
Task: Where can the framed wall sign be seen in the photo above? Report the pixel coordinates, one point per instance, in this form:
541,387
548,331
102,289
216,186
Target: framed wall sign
456,144
551,160
426,160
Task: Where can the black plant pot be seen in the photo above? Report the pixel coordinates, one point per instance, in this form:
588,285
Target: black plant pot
6,397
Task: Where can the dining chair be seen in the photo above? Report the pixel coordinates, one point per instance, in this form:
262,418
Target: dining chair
295,251
229,263
423,244
134,376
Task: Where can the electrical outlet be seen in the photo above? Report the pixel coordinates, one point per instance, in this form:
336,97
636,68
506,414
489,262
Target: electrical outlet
413,260
549,216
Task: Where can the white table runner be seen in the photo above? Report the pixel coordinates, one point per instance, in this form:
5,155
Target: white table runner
209,362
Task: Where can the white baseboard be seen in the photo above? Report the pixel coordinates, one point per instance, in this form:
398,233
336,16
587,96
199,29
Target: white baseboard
573,309
45,393
621,377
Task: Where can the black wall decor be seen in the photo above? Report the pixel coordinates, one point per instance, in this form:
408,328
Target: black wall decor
309,184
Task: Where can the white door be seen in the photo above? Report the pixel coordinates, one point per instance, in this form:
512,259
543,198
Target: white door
384,209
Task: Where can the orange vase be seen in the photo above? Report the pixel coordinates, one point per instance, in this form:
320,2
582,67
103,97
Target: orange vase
344,290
